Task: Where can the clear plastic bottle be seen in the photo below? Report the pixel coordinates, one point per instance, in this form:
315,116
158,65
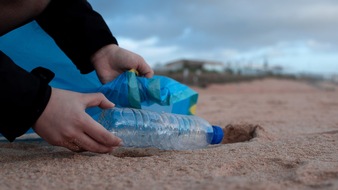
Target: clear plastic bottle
144,128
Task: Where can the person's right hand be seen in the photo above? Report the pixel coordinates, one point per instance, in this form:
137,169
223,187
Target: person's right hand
65,123
111,60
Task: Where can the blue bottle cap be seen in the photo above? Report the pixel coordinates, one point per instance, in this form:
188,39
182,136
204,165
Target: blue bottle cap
218,135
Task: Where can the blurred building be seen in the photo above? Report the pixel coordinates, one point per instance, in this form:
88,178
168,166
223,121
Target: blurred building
261,69
194,65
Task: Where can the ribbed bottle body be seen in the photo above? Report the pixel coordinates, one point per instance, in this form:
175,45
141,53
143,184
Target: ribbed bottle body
143,128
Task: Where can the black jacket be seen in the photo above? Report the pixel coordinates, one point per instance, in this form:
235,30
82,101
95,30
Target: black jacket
79,31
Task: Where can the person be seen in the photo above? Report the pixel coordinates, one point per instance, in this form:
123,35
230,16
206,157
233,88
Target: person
57,115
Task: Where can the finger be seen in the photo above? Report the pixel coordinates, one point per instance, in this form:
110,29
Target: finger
149,74
101,135
98,99
78,148
72,146
145,70
84,142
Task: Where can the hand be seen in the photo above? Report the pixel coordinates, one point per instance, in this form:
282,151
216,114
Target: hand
111,60
65,123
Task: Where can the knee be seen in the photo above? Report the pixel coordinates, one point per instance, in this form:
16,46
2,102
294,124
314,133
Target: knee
14,13
38,6
24,7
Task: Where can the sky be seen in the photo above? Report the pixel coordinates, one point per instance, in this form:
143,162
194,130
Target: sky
299,35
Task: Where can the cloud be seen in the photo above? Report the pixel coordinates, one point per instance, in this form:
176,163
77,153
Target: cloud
226,29
238,24
149,49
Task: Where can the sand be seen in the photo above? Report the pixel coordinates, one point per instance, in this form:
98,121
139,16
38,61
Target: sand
280,134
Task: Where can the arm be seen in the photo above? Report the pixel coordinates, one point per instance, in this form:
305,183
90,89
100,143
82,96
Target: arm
58,116
82,34
24,96
86,39
77,29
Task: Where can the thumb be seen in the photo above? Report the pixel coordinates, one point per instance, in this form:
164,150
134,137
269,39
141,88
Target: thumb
98,99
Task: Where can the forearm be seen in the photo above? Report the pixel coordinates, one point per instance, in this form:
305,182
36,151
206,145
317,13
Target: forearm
15,13
77,29
23,97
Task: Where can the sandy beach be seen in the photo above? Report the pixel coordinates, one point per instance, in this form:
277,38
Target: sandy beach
279,134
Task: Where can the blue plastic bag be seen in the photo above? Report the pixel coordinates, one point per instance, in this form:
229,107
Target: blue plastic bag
129,90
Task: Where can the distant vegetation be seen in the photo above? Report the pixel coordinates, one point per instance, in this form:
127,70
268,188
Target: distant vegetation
204,78
202,73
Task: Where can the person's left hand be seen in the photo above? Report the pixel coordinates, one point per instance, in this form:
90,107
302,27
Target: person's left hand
65,123
111,60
